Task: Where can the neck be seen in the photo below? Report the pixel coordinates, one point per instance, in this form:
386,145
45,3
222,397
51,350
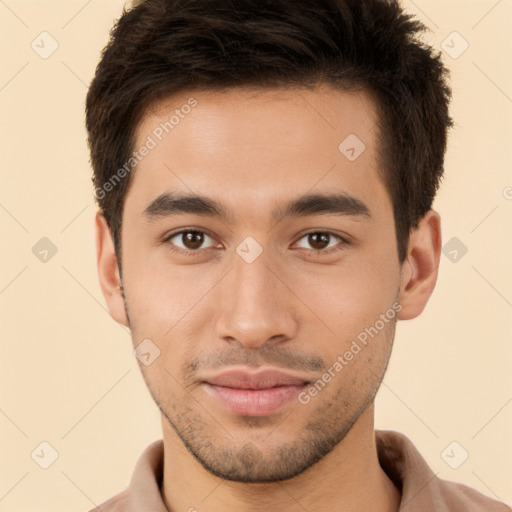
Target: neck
348,478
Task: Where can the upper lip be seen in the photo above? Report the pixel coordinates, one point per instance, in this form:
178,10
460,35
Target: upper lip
268,378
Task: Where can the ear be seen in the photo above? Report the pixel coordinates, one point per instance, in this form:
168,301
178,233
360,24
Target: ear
108,271
420,268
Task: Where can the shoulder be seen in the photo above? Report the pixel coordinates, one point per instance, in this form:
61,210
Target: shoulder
421,488
457,496
118,503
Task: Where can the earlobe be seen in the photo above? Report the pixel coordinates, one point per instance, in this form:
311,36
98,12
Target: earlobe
420,269
108,271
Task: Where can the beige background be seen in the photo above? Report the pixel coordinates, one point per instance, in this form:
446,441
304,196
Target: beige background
68,375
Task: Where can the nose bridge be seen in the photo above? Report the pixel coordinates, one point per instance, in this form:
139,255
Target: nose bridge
256,306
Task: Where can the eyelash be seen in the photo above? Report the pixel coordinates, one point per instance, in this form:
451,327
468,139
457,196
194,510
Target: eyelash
314,252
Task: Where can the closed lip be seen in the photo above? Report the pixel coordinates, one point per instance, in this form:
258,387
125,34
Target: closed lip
263,379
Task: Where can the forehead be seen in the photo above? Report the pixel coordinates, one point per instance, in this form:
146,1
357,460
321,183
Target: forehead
254,146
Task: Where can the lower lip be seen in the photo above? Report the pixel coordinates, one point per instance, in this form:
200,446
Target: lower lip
254,402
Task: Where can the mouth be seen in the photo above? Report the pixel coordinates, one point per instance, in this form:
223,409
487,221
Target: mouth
254,394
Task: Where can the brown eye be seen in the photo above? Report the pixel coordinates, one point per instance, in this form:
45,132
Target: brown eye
322,242
189,240
193,239
318,240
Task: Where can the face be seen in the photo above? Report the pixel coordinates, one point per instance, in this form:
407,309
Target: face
273,298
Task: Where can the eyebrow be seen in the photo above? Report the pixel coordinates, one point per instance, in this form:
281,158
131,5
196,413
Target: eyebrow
172,203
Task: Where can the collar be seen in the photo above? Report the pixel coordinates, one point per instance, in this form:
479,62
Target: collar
421,489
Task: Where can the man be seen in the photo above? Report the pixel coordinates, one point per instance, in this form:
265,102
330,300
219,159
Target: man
265,173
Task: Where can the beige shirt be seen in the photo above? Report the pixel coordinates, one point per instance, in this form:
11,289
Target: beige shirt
422,490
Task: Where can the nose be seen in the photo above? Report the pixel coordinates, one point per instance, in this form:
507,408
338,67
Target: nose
256,306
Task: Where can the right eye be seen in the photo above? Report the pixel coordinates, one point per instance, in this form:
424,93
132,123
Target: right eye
188,241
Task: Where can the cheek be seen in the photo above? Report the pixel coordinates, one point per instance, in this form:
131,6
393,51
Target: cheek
159,294
351,296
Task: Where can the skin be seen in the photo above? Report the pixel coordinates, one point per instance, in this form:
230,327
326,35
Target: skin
253,150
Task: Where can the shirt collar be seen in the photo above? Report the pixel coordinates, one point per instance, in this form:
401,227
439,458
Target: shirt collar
420,488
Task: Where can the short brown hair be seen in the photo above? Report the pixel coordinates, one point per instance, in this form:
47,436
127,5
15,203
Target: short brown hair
161,47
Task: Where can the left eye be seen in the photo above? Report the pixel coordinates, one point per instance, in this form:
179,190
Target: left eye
320,240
